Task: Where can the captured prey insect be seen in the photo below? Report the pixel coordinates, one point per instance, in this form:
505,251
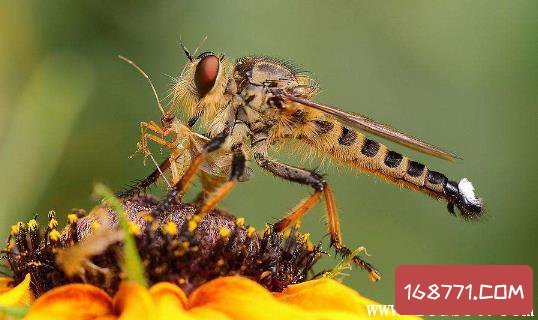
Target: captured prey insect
256,102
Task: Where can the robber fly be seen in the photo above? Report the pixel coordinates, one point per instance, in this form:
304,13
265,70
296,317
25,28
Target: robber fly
256,102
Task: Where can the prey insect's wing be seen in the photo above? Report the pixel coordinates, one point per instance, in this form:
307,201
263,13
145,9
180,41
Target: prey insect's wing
374,127
216,162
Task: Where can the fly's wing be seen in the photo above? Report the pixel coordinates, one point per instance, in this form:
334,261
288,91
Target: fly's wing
379,129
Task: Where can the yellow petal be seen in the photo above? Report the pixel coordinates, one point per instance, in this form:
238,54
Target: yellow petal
5,284
327,295
21,295
323,294
170,302
241,298
72,301
133,302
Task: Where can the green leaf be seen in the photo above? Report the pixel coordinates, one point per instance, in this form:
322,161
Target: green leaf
132,265
14,312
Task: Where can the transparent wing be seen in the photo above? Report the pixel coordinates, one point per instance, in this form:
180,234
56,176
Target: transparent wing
382,130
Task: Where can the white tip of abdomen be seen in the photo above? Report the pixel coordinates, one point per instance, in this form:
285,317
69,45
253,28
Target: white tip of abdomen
466,189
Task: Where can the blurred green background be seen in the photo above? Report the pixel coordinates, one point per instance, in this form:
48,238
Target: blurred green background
461,74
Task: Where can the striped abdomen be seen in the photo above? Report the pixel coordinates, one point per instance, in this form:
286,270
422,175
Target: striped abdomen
354,148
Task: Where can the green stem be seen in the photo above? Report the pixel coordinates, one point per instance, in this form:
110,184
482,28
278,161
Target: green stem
132,265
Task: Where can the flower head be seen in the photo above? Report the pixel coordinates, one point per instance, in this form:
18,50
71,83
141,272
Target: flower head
221,245
222,269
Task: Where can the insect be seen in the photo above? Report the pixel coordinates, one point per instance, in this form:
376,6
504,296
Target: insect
184,145
251,104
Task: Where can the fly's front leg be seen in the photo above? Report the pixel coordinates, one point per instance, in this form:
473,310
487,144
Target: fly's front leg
320,187
180,188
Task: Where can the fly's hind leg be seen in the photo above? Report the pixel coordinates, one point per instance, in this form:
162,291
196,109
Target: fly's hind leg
336,235
320,187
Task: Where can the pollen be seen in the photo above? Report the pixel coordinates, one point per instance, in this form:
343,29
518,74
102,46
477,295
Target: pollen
170,228
220,262
181,281
32,224
134,228
224,232
95,225
15,229
250,231
240,221
146,216
72,218
54,235
304,237
185,244
192,225
53,223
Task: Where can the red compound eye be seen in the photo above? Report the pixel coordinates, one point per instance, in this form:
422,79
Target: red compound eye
206,72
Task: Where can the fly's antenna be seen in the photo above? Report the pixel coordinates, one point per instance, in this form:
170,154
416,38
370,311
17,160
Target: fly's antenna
187,53
147,78
204,39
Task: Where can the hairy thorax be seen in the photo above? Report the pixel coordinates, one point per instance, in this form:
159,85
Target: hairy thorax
255,79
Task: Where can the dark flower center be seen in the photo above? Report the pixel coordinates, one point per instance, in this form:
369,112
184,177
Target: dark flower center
170,249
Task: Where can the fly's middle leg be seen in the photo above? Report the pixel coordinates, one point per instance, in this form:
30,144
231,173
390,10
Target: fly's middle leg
320,187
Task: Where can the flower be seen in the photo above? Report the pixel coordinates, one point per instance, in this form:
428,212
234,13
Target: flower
101,265
17,297
231,297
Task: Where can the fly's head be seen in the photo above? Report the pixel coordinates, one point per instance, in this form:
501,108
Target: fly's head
200,89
